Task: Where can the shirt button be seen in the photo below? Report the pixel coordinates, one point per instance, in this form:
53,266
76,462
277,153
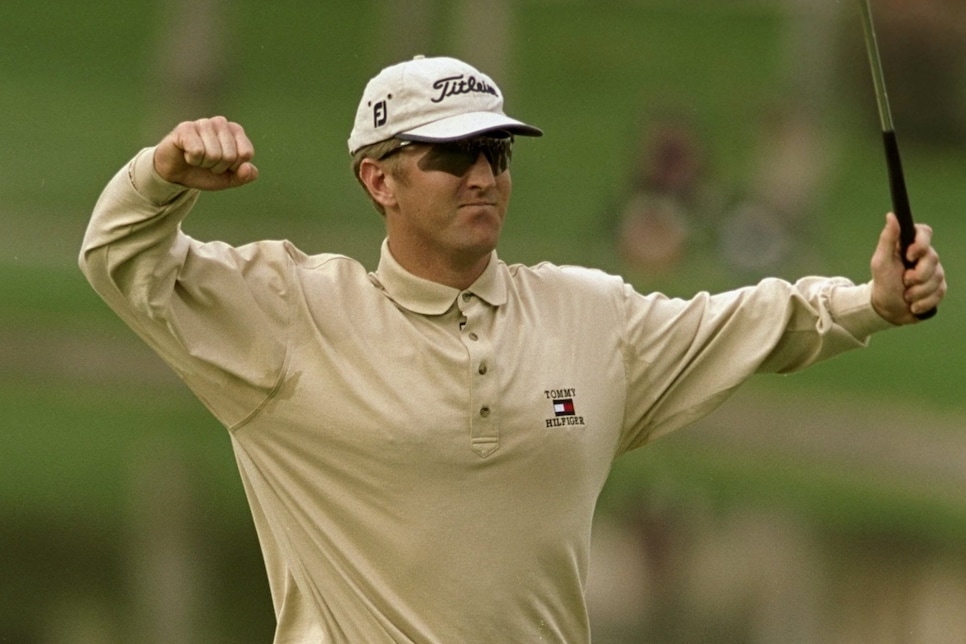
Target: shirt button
474,337
484,411
483,369
467,296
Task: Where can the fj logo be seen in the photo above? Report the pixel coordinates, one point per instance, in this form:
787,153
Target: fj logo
380,114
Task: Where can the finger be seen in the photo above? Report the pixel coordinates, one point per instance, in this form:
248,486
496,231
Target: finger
188,137
927,276
927,302
227,150
209,131
244,149
919,253
239,152
927,295
921,246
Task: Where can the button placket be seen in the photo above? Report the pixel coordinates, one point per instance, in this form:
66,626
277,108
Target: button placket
484,416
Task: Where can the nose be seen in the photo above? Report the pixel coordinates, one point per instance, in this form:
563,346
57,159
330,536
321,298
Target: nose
481,174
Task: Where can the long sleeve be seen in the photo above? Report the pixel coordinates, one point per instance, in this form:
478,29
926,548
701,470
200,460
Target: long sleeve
216,314
685,357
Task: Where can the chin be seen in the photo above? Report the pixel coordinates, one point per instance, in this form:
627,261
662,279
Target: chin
481,245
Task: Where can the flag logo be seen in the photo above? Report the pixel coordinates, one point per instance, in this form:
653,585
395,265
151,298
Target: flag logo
563,407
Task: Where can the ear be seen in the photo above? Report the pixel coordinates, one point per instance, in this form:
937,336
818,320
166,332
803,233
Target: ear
380,185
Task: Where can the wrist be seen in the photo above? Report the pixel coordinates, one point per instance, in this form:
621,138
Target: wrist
148,182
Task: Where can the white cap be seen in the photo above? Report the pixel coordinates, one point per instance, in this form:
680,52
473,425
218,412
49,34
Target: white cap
431,100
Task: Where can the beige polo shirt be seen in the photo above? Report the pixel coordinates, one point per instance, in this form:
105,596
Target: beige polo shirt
422,463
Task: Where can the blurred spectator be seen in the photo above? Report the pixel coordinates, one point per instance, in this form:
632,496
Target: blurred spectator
761,230
673,205
666,192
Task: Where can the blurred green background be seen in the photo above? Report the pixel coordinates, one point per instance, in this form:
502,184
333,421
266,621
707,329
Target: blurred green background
121,514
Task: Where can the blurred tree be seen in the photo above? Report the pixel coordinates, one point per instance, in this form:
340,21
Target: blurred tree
482,33
169,576
478,31
405,29
192,58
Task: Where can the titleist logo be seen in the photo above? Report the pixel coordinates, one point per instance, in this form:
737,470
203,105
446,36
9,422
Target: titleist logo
456,85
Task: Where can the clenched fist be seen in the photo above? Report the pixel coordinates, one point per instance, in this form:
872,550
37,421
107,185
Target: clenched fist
207,154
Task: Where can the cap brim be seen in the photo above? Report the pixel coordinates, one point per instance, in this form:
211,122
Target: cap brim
466,125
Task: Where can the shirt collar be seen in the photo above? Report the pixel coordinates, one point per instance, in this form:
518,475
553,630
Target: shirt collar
431,298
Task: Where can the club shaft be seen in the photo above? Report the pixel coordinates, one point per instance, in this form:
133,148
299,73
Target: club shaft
875,64
897,181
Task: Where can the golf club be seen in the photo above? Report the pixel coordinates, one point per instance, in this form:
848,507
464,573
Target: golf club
897,182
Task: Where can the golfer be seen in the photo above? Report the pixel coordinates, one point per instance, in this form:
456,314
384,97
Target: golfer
422,446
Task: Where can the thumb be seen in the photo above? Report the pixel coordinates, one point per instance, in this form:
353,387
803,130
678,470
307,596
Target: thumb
245,173
204,179
886,258
889,237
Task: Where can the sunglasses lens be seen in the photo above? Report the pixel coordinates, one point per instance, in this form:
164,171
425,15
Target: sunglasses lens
449,159
497,152
458,157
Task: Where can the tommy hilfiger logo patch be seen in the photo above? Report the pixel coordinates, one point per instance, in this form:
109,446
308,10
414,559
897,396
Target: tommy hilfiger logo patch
564,410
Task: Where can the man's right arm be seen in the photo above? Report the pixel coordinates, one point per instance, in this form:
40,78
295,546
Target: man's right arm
145,202
213,312
133,246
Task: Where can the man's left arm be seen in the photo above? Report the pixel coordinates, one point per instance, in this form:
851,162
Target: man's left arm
686,357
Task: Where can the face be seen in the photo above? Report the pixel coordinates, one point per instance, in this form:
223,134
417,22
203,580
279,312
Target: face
451,199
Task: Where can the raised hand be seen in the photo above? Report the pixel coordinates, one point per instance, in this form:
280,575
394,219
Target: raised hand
900,293
207,154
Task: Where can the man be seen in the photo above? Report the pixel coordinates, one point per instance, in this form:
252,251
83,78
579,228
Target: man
423,446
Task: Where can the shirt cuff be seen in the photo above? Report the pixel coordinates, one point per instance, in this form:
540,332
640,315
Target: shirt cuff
149,183
851,308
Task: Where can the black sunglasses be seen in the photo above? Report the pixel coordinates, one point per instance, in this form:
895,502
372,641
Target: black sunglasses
457,157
